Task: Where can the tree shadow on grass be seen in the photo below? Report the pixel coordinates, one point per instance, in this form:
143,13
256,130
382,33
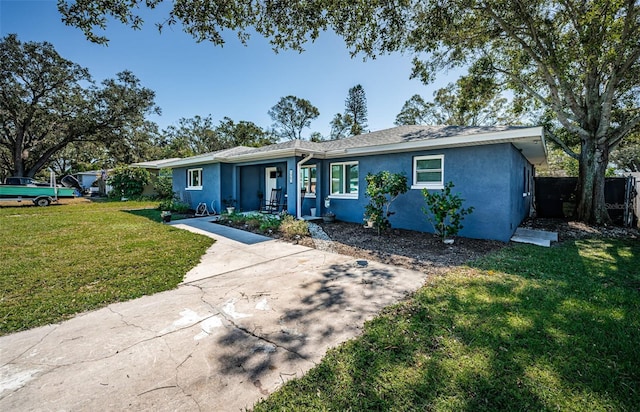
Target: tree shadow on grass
151,214
525,329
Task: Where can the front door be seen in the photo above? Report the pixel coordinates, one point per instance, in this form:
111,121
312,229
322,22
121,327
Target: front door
271,181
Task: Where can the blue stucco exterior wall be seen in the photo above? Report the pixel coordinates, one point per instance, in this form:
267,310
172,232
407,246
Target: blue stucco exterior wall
210,186
483,176
495,179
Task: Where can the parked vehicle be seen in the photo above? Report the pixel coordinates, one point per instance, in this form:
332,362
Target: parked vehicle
40,193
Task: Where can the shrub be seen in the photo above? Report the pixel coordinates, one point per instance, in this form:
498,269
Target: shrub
174,205
444,211
128,181
164,186
383,188
270,223
291,227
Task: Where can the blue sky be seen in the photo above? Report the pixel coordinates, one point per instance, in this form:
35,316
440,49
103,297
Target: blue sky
240,82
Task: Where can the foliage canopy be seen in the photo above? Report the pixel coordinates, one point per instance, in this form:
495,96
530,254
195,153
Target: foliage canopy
46,108
291,115
577,59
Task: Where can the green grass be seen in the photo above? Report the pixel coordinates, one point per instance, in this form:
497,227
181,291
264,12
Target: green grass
64,259
526,329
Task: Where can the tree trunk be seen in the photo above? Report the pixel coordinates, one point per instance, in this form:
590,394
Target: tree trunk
593,166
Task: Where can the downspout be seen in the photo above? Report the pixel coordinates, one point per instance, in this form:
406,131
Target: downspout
298,188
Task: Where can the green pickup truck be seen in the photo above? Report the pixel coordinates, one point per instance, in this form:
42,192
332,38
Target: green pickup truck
41,194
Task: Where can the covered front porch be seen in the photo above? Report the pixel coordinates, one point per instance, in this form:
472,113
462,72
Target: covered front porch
280,186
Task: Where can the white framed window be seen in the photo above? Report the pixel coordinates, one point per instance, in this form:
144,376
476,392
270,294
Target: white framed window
428,172
308,180
194,179
344,179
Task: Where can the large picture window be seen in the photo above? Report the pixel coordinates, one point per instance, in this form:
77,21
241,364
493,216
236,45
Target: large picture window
344,179
428,172
194,179
308,179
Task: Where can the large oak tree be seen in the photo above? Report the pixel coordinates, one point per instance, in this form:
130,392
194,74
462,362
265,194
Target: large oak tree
579,59
48,103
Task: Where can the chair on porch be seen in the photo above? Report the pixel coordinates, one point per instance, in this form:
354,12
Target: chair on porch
274,204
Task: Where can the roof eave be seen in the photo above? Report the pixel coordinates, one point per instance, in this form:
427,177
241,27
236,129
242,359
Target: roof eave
272,154
518,136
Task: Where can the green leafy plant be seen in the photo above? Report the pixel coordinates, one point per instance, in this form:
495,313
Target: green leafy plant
174,205
270,222
164,186
444,211
128,182
382,189
229,202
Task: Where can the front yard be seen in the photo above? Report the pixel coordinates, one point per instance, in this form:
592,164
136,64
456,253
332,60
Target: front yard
64,259
516,327
526,328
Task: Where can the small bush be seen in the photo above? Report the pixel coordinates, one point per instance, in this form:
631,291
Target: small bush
270,223
174,205
128,182
164,186
444,210
291,227
383,188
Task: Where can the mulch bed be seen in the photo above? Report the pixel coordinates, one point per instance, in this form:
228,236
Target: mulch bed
426,252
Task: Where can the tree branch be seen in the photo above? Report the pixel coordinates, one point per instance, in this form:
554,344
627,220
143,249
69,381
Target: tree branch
562,145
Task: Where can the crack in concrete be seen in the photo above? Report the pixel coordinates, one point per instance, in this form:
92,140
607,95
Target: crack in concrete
123,320
12,361
264,339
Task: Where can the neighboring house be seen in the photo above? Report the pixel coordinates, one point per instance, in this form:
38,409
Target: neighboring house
87,179
492,169
153,167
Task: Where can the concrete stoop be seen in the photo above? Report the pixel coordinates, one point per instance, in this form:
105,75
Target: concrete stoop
534,237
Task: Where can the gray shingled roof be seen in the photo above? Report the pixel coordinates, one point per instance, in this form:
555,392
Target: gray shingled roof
411,133
395,135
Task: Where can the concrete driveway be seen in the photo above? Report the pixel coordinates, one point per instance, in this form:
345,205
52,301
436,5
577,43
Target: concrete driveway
254,313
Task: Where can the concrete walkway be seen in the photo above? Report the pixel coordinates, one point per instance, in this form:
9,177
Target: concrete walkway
254,313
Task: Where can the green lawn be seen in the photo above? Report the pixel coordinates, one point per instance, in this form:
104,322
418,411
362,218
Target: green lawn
64,259
526,329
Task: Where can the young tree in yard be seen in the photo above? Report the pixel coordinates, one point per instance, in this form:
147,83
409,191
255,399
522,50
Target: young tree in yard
44,106
579,59
292,114
444,210
382,189
356,108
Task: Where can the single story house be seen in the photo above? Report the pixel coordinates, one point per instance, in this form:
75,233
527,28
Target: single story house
492,168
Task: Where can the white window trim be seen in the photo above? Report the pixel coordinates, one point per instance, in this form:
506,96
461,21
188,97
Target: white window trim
189,174
309,194
344,195
434,185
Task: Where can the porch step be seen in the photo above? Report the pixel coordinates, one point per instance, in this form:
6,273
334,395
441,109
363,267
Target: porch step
534,237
